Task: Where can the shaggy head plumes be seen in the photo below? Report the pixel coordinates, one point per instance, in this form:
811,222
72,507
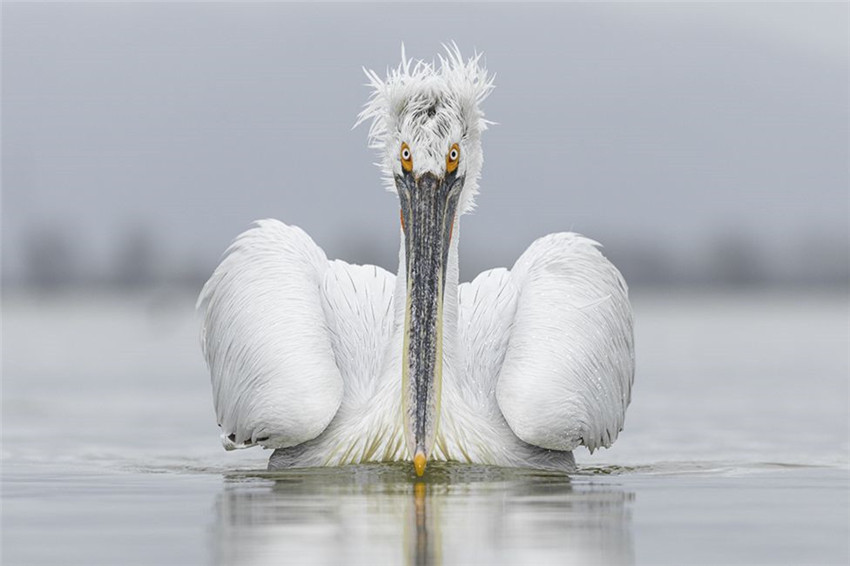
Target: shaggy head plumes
430,107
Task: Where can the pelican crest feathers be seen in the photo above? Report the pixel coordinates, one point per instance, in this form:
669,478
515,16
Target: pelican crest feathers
423,104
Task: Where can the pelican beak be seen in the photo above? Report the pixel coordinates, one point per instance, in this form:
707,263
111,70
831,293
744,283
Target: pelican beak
428,207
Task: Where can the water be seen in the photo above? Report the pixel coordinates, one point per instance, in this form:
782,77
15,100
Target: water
736,451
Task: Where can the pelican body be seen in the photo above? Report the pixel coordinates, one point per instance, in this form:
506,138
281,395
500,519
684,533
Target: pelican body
331,363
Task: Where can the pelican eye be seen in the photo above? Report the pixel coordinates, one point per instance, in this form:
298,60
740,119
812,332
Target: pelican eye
406,158
452,158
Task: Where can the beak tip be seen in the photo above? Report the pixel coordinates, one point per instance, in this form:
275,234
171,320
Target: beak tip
419,461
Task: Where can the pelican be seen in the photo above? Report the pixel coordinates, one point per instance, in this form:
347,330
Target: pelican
330,363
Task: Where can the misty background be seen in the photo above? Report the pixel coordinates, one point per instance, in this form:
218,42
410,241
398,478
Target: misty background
705,145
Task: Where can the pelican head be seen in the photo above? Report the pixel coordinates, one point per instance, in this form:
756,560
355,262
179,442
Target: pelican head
426,126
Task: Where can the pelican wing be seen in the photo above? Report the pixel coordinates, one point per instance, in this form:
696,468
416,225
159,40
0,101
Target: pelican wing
269,345
567,374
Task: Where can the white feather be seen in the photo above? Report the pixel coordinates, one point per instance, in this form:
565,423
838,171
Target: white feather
568,370
275,381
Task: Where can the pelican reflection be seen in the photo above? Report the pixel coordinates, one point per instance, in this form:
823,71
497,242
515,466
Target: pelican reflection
454,514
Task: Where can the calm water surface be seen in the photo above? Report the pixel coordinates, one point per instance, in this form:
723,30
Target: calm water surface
735,452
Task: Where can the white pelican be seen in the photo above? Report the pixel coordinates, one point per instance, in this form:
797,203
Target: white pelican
332,363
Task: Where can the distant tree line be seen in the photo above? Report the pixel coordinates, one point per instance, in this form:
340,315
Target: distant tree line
54,260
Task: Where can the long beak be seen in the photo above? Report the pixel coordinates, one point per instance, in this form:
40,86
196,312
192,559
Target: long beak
428,207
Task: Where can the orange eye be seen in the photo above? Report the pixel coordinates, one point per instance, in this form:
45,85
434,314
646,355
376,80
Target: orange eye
452,158
406,158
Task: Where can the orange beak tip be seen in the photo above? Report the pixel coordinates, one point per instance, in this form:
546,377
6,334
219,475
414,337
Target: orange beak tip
419,463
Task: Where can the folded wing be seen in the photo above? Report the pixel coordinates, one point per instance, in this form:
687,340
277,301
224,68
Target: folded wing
274,376
567,374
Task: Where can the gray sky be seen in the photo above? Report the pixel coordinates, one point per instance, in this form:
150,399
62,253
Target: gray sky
670,125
